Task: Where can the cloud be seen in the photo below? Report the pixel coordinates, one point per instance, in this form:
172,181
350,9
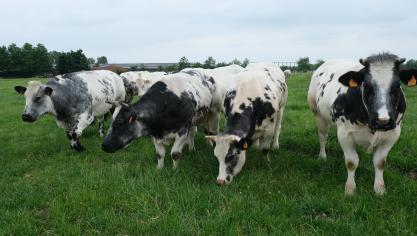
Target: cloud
263,30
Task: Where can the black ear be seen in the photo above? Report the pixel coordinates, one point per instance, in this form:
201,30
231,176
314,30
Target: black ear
243,144
409,77
352,79
20,89
48,91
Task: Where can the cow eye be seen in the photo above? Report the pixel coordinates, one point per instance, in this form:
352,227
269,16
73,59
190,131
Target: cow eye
37,99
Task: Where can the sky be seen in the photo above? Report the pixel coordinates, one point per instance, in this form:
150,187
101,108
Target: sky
261,30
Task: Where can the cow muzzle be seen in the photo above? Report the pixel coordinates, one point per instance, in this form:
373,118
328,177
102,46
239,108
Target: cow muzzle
28,118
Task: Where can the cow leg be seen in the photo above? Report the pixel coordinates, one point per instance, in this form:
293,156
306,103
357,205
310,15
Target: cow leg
101,126
82,122
212,125
277,130
351,159
160,152
265,145
379,159
323,131
180,140
190,139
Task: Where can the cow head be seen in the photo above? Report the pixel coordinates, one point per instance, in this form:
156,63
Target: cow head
124,128
230,152
379,82
143,85
37,100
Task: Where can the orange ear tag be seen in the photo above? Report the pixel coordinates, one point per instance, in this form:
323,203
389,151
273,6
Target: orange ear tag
131,120
412,82
245,146
353,84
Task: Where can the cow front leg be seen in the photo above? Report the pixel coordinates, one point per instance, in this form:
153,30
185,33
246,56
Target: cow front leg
191,135
379,160
180,140
351,159
323,131
101,126
74,141
265,145
160,152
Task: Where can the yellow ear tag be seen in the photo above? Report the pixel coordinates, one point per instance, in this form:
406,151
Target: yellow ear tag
412,82
245,146
130,120
353,84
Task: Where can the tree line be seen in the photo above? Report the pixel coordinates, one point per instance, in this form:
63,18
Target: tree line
29,61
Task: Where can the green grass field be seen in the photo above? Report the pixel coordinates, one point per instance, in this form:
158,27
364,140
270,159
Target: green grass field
46,188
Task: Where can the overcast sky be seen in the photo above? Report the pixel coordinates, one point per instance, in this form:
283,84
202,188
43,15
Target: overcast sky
261,30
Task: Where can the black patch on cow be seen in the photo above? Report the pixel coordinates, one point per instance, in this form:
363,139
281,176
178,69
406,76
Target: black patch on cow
267,88
227,103
267,96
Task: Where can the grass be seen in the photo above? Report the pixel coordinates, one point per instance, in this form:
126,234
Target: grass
45,188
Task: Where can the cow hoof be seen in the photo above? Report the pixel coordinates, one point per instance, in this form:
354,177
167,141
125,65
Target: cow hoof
275,146
379,189
322,157
221,182
350,189
78,148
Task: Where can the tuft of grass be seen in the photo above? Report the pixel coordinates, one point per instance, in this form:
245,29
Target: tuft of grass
46,188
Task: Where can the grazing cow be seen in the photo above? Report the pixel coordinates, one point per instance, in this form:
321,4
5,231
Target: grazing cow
167,112
366,103
287,74
254,106
74,99
141,81
223,77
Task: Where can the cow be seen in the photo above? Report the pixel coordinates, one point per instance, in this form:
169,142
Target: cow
253,105
365,102
287,74
141,81
167,112
74,99
223,77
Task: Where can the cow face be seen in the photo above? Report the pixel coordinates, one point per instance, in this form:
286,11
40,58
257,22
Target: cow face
37,100
230,152
379,83
124,129
143,85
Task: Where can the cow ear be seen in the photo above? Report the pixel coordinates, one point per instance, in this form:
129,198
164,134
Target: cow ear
132,118
48,91
20,89
243,143
409,77
352,79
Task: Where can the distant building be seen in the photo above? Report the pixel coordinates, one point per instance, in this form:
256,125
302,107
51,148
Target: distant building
124,67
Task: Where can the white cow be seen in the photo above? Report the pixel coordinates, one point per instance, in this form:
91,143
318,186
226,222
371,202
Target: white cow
141,81
365,101
254,105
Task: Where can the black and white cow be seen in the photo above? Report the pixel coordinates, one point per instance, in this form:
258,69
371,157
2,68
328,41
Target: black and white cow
254,106
167,112
366,103
140,81
223,77
74,99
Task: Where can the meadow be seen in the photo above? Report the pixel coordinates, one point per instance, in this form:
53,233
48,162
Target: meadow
46,188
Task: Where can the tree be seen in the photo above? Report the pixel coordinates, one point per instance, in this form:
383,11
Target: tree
221,64
304,64
72,61
91,61
197,65
4,59
134,68
210,63
102,60
411,64
42,61
245,62
318,64
236,62
183,63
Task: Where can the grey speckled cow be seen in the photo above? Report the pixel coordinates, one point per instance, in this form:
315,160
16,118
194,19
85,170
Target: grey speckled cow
74,99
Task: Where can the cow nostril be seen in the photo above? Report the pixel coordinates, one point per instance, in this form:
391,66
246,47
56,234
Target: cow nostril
382,121
221,181
27,117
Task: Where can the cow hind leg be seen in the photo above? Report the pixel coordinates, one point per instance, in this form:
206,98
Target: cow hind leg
190,140
265,145
277,129
160,153
323,132
176,150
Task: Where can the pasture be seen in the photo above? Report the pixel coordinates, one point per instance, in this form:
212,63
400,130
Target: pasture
46,188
